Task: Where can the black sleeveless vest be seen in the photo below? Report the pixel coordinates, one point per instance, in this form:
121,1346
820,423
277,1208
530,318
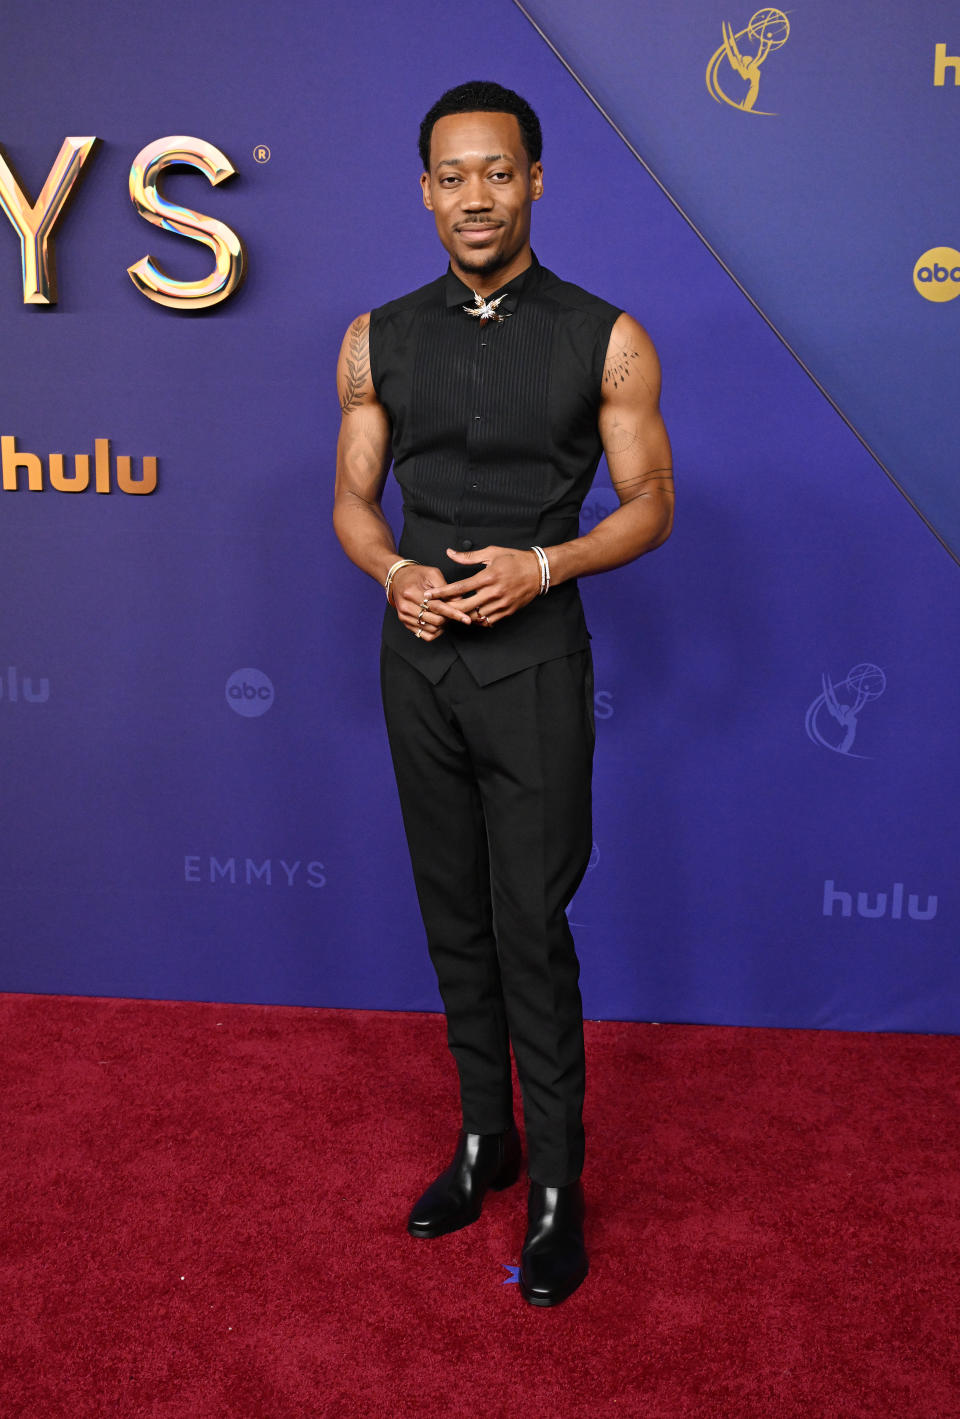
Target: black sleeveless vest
495,442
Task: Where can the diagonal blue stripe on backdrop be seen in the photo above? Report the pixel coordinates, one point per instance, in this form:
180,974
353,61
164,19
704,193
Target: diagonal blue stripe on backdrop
820,199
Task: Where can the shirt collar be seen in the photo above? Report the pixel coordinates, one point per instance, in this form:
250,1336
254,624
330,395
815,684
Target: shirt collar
456,293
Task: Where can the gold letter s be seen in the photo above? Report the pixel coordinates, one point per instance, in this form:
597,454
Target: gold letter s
34,224
225,244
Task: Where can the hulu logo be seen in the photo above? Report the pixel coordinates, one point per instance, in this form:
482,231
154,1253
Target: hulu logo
14,687
878,904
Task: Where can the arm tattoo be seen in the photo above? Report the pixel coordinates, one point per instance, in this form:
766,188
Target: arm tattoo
621,436
362,456
356,364
619,366
654,480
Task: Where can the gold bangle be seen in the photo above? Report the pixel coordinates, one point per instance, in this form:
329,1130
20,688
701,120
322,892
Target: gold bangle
402,562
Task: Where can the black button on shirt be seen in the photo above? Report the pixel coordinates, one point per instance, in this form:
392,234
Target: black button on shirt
494,423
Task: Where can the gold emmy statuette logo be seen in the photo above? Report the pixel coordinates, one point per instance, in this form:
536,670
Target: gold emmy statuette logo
767,30
937,274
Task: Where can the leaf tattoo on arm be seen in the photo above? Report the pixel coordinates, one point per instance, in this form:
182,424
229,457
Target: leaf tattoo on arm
356,364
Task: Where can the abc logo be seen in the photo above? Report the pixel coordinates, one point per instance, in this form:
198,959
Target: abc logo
937,274
249,692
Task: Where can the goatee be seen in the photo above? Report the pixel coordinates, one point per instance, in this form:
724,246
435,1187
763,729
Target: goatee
482,266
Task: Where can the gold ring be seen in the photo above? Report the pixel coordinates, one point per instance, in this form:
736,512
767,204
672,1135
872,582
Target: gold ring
419,633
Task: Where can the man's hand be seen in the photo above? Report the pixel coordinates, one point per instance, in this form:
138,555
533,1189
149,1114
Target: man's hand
509,580
416,593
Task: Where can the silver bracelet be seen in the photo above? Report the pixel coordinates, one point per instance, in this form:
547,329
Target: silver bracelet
544,569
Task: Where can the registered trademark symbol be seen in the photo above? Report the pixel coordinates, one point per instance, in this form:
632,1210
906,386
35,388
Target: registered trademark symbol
261,153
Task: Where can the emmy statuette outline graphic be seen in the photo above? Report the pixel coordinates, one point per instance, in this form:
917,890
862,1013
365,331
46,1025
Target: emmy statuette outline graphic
843,702
767,29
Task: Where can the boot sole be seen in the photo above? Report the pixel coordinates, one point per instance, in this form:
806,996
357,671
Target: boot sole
555,1297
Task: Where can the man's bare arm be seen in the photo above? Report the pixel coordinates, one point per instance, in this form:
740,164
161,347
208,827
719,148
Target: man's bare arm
638,456
363,460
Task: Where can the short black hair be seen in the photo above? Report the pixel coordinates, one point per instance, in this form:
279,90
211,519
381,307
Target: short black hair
481,97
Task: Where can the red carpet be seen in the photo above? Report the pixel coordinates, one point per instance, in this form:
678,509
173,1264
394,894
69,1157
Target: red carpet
204,1208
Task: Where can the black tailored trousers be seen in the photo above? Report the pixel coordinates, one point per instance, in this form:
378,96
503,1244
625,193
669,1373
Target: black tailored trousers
495,790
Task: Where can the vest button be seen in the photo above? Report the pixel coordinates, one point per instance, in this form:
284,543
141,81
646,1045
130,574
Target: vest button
466,545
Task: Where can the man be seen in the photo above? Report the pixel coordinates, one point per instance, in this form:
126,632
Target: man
494,389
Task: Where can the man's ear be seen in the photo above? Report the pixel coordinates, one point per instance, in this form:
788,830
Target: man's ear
536,181
425,189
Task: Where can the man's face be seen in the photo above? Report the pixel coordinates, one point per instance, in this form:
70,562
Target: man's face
479,188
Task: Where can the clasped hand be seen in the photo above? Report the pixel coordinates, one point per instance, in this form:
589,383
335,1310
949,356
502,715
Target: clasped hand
510,578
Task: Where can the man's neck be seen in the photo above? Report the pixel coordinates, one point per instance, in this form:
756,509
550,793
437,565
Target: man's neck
487,282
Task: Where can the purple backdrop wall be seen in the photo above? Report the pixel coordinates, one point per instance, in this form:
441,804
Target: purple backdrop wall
157,841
